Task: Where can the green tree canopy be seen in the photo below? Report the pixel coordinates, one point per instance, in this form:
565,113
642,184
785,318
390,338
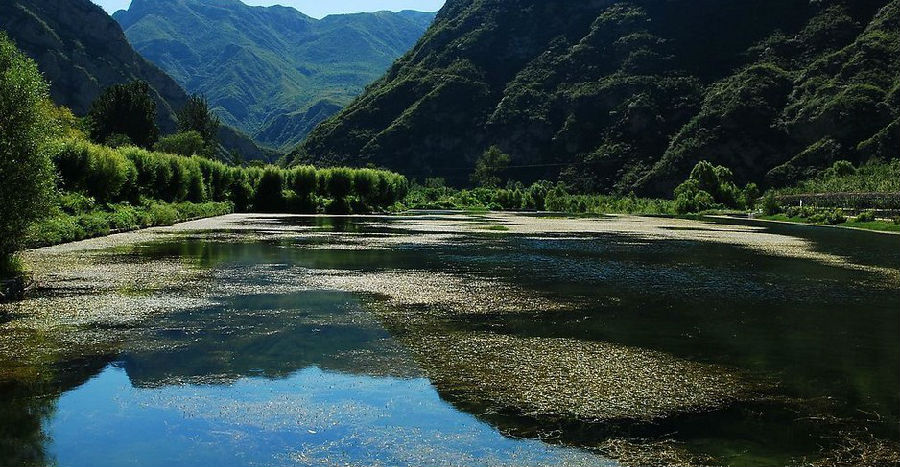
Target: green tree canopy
125,109
489,167
196,116
26,171
185,143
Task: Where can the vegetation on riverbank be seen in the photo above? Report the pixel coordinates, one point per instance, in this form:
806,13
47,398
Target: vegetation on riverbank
540,196
26,172
843,177
866,197
128,174
58,186
78,217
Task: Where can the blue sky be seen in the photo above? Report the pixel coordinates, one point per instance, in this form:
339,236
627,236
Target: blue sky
319,8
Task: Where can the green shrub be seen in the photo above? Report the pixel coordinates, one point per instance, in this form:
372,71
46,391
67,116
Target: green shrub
163,214
749,196
770,204
690,198
489,168
76,203
835,217
108,173
866,216
67,228
187,143
240,192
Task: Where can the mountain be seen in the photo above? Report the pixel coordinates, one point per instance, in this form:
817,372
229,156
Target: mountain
81,51
270,71
624,96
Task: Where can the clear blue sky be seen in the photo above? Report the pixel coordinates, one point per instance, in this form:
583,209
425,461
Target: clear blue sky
318,8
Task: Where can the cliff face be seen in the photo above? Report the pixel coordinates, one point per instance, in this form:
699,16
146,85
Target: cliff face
81,51
629,95
270,71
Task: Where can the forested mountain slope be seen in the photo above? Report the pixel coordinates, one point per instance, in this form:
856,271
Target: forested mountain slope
270,71
628,96
81,51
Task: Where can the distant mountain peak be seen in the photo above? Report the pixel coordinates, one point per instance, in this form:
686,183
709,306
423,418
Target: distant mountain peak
264,66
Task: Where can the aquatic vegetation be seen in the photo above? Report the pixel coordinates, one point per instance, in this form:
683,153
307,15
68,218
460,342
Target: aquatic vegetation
575,379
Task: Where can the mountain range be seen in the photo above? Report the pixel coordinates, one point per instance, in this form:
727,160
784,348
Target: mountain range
272,72
622,96
81,51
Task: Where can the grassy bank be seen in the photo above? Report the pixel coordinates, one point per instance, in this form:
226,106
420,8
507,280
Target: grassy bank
876,225
82,219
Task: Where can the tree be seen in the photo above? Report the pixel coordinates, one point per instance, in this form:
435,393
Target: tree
489,167
26,171
125,109
269,196
186,143
710,186
196,116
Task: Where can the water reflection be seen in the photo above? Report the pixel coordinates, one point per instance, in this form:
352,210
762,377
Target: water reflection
313,376
269,336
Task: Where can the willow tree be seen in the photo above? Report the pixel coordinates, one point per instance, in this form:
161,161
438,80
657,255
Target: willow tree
26,171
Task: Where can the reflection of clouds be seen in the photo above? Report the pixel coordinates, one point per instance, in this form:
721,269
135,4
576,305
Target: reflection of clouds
317,417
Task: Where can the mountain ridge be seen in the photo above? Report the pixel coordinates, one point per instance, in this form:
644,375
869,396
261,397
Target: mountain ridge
269,70
628,95
81,51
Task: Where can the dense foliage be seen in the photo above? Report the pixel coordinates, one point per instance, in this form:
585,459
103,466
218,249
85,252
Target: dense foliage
843,177
26,174
629,96
867,196
272,72
196,117
81,51
490,167
79,217
124,110
539,196
130,174
186,143
710,187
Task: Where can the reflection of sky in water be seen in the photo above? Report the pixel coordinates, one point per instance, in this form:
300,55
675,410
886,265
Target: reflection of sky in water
313,417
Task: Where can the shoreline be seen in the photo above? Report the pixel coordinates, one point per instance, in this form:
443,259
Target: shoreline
698,217
774,221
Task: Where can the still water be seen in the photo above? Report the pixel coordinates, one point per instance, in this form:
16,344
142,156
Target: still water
441,340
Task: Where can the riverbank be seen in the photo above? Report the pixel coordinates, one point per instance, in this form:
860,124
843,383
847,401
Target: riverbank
880,226
118,218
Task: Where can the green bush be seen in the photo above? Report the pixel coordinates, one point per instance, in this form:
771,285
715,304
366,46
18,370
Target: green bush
120,217
26,170
835,217
866,216
186,143
689,197
542,195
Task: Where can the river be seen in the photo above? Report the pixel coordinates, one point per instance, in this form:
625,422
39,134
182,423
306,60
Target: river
444,339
